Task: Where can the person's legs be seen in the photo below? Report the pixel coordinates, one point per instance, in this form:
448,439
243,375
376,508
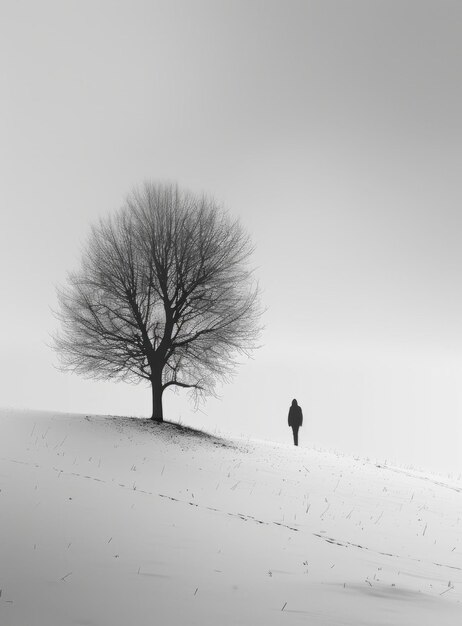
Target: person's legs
295,431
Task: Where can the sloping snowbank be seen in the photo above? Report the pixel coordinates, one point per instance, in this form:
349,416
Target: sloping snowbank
117,521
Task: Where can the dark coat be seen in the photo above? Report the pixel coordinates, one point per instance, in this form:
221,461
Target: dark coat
295,415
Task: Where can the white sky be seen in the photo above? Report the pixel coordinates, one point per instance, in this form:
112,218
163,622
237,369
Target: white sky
332,128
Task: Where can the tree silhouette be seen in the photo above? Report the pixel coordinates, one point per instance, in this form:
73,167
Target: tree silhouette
164,294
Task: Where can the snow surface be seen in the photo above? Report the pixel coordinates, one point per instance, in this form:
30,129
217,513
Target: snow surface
118,521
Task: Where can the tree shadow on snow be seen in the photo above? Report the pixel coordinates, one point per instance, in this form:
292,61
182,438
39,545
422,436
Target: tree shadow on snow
171,431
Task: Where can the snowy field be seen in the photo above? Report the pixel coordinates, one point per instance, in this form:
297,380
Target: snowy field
118,522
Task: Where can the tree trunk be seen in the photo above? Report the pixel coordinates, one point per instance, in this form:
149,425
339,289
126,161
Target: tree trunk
157,413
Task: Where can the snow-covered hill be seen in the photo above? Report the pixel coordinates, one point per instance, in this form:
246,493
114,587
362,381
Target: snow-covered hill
118,522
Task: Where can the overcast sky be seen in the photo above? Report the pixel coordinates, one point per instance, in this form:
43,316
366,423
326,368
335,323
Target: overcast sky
333,129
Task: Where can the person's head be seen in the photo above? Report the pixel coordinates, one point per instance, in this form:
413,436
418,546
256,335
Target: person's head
294,402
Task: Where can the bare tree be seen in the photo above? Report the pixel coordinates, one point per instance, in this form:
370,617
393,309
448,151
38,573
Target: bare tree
164,294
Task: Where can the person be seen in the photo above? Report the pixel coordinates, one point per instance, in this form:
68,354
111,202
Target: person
295,419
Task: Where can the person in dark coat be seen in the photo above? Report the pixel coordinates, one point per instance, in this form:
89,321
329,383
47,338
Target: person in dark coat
295,419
